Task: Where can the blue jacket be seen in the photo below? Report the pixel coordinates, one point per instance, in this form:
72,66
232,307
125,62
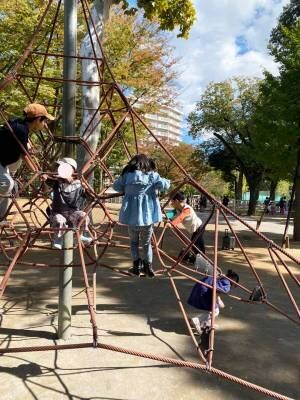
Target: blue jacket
140,206
201,296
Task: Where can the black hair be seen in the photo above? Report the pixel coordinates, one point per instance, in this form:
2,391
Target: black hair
180,196
31,119
152,164
138,162
233,275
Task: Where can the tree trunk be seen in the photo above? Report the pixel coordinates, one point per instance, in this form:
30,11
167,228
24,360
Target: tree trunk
254,193
273,186
296,203
90,72
254,182
239,186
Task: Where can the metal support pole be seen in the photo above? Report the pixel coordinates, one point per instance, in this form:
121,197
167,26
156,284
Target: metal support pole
65,289
68,120
69,88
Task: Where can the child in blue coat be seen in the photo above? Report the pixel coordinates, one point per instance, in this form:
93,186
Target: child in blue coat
140,208
201,298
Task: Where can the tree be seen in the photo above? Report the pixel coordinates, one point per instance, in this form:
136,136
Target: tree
220,158
226,110
140,57
18,21
280,42
185,154
169,14
281,96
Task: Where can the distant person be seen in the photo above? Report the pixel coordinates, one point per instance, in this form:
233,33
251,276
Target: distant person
13,147
282,205
266,204
140,208
272,207
225,201
203,202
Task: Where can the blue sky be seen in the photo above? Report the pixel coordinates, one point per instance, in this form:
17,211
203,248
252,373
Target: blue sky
229,38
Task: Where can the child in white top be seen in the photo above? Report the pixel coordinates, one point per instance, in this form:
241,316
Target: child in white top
188,218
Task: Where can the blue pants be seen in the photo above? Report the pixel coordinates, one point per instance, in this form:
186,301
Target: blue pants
137,235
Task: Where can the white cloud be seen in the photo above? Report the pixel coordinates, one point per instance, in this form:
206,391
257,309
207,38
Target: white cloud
212,53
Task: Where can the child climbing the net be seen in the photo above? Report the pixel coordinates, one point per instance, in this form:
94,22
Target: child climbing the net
187,217
69,198
140,208
201,298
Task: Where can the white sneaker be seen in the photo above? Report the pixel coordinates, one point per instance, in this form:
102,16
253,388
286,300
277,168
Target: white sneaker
58,243
86,239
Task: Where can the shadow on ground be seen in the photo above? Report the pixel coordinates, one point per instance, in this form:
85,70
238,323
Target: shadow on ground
253,342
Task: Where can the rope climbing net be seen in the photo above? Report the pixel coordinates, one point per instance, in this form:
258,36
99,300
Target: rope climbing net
26,227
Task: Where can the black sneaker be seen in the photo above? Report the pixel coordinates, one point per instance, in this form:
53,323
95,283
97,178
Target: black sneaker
148,269
136,268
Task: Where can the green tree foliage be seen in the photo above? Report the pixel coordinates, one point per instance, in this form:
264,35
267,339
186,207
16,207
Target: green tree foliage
280,99
221,159
185,154
280,41
226,110
214,183
170,14
140,57
19,19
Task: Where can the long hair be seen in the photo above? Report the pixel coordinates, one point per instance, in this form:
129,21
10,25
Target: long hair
139,162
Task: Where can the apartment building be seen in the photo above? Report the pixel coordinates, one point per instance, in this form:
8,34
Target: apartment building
166,124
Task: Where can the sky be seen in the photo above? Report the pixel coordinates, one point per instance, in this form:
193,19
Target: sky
229,38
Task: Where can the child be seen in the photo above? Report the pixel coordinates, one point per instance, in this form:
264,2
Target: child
189,219
140,208
14,145
201,298
68,200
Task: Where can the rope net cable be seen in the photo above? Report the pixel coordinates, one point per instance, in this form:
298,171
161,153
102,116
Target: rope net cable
25,227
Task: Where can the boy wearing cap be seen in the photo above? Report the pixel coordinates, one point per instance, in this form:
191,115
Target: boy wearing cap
14,146
69,198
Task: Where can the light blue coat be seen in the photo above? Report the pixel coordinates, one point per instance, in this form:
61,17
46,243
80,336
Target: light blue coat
140,205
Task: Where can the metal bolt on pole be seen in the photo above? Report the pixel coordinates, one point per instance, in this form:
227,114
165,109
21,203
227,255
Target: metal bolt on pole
68,120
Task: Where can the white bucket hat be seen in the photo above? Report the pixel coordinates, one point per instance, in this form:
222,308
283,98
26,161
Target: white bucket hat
68,160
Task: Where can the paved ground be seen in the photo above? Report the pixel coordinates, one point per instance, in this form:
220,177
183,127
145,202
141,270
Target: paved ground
252,341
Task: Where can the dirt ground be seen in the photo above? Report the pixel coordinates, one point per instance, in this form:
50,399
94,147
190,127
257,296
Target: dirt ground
253,341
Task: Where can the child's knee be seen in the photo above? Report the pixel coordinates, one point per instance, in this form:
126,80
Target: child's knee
58,219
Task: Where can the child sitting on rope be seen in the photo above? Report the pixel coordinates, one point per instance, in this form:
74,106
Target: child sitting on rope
201,298
140,208
69,198
188,218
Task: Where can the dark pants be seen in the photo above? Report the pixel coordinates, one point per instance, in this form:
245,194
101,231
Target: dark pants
199,241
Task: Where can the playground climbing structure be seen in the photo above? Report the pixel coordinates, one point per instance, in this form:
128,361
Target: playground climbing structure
26,226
